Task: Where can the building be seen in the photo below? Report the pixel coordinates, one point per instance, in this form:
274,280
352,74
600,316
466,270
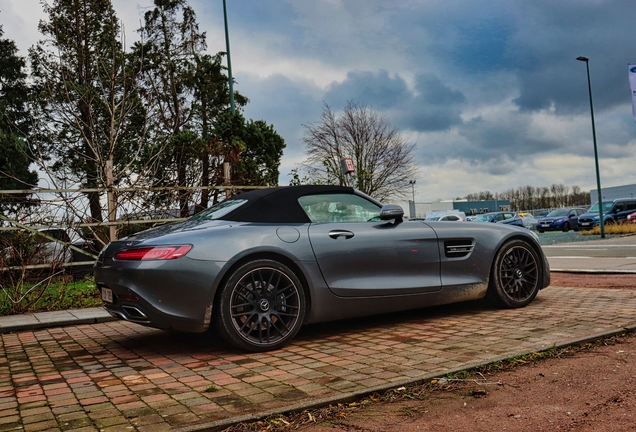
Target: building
419,209
612,193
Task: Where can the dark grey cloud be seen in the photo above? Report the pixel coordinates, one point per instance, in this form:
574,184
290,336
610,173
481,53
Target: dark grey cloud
365,87
299,107
437,107
431,106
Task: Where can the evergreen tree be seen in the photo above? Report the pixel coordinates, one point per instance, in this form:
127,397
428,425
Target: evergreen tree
14,125
88,109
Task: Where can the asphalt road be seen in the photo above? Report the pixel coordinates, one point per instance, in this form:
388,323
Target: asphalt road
617,254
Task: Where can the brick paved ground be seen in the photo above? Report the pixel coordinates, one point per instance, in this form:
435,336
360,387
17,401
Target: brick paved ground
121,376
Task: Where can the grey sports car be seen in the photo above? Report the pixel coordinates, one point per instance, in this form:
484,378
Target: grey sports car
261,264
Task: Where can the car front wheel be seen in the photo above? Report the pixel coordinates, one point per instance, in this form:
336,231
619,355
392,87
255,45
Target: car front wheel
261,307
515,275
566,227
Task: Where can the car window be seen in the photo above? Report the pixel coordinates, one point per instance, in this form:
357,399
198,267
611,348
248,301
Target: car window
557,213
483,218
219,210
339,208
499,217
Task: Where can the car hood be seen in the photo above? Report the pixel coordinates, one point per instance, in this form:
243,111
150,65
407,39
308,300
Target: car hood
552,218
588,215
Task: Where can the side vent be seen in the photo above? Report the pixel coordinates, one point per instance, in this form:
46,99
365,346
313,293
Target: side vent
458,248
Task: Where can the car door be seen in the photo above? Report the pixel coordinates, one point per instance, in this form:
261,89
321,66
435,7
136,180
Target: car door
573,216
361,256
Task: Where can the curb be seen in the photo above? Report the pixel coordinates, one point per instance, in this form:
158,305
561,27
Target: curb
42,320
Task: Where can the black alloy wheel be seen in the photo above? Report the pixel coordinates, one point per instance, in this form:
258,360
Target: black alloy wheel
566,227
262,306
515,277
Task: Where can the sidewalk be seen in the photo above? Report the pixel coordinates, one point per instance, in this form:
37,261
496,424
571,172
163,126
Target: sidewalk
119,376
39,320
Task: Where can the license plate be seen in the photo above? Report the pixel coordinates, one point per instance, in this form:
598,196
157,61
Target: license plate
107,295
545,225
585,223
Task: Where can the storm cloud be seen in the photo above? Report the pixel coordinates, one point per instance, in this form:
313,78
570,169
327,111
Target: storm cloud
486,90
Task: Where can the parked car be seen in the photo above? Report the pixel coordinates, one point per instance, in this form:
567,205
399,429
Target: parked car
528,220
47,246
448,217
615,211
632,218
259,265
563,219
508,218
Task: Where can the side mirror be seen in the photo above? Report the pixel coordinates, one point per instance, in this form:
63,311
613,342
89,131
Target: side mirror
391,211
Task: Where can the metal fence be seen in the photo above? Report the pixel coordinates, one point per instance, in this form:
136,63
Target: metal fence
57,226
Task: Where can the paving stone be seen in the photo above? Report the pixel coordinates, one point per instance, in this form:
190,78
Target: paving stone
82,376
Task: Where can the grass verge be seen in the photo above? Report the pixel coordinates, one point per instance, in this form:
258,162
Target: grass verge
61,294
613,229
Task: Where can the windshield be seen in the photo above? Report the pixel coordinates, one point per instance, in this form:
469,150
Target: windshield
219,210
558,213
483,218
606,207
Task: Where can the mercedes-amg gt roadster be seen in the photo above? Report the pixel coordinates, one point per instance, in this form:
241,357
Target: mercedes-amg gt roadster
259,265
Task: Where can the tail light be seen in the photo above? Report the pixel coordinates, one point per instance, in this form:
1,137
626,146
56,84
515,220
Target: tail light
157,253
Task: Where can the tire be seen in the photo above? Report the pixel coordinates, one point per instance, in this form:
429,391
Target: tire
540,231
566,227
261,307
515,275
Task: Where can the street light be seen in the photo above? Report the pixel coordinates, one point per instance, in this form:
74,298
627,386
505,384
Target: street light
229,61
598,173
412,203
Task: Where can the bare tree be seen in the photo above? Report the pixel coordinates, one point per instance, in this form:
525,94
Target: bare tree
382,158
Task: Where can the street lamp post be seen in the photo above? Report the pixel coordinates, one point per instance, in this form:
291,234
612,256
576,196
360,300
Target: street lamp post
412,203
598,173
229,60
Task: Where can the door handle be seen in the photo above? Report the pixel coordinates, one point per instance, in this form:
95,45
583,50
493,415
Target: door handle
334,234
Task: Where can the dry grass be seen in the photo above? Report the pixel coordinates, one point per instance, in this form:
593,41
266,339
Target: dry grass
617,229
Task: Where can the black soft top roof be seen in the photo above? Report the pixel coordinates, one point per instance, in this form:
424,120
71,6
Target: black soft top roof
278,205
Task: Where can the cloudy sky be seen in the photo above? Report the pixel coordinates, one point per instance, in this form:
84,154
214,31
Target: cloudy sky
489,92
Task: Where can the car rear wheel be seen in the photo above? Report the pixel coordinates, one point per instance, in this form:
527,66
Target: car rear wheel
261,307
515,275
